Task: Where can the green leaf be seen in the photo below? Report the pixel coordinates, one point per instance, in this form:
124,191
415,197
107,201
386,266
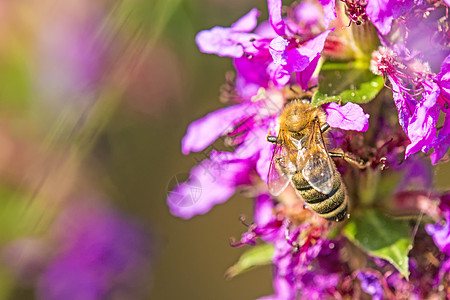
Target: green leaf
256,256
382,237
347,82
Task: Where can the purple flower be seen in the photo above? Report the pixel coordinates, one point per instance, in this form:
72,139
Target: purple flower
269,55
275,18
371,285
444,272
422,124
101,256
212,181
443,139
418,176
265,226
251,75
418,109
328,11
348,117
71,57
215,179
233,41
288,58
293,275
323,275
308,13
443,80
199,134
382,12
441,231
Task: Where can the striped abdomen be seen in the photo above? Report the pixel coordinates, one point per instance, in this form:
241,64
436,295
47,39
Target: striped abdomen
332,206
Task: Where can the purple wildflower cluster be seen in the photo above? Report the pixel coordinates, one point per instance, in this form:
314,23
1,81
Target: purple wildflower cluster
103,256
95,254
314,258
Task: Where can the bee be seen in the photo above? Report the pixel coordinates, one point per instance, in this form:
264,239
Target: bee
301,157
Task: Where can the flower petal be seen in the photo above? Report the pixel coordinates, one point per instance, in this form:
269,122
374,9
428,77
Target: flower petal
251,75
275,18
203,132
304,77
371,285
348,117
315,46
277,49
443,141
300,58
422,126
382,12
278,74
329,11
404,103
263,163
263,214
211,182
265,31
441,234
248,22
225,42
307,13
443,79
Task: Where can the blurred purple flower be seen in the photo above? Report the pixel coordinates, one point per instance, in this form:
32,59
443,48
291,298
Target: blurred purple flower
71,55
371,285
101,256
441,231
444,273
308,13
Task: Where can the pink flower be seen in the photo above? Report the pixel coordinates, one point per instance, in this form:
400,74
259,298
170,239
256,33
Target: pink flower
382,12
215,179
348,117
268,56
416,97
233,41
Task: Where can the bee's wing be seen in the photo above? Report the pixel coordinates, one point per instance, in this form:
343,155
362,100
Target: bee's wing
318,170
280,171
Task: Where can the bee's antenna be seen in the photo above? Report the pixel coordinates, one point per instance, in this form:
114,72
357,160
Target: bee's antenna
324,127
272,139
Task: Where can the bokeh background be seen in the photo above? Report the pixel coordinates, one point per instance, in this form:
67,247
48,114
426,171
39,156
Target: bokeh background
95,97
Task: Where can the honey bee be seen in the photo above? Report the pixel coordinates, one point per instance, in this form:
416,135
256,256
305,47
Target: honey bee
301,157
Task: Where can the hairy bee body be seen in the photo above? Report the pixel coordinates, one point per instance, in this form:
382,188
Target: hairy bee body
332,206
301,157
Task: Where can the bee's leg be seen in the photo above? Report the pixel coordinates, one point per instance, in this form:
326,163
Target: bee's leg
324,127
350,158
272,139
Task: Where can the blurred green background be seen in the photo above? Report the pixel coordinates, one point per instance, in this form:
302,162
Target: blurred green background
95,97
